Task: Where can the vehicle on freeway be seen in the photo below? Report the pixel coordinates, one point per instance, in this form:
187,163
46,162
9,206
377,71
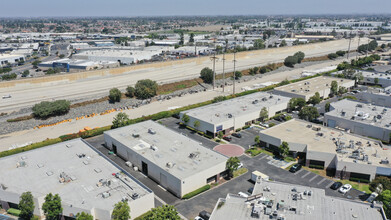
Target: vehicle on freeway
345,188
295,168
7,96
242,194
238,135
204,215
336,185
227,138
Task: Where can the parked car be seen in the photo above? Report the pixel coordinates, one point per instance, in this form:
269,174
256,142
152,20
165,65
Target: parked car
345,188
240,166
295,168
198,218
238,135
242,194
372,197
204,215
227,138
264,125
7,96
336,185
250,190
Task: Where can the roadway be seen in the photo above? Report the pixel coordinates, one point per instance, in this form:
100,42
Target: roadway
74,86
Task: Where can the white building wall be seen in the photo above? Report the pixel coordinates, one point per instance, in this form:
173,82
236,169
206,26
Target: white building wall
382,81
375,99
140,205
328,158
357,168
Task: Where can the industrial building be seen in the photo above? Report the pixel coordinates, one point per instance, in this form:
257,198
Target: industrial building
7,59
73,64
86,180
178,163
276,200
381,98
383,79
235,113
347,155
360,118
307,88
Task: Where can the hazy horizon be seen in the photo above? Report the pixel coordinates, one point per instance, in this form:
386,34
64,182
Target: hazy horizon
155,8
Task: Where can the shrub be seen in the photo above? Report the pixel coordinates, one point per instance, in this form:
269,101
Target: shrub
219,99
207,75
130,91
299,55
9,76
12,211
290,61
196,192
46,109
245,127
332,56
114,95
271,124
320,167
340,53
359,180
145,89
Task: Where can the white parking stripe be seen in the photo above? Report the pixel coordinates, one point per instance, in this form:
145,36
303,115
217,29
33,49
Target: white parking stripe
298,172
313,178
329,184
264,157
322,181
308,173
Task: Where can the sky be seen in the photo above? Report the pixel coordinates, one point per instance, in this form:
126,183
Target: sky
131,8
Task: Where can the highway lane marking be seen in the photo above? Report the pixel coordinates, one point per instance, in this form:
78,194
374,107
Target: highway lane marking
313,178
298,172
322,181
308,173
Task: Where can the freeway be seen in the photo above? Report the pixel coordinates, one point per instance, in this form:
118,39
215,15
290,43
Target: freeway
96,84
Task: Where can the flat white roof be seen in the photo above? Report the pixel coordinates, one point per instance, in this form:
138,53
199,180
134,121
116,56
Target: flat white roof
186,156
82,169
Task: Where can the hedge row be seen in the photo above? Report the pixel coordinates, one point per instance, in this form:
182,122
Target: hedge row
196,192
320,167
30,147
359,180
12,211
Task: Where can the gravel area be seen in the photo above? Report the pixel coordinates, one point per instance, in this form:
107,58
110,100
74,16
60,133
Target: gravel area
8,127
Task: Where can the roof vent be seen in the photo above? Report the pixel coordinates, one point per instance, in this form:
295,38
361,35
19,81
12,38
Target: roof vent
154,148
170,164
136,135
105,195
21,164
194,155
49,173
151,131
97,170
68,145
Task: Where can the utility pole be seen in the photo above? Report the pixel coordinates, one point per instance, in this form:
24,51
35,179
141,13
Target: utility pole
223,71
214,58
367,48
350,40
358,46
234,72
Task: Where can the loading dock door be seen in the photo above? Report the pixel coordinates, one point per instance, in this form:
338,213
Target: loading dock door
163,180
114,149
331,123
144,168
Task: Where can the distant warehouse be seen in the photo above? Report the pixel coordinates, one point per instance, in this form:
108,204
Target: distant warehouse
235,113
360,118
178,163
80,175
346,155
72,64
307,88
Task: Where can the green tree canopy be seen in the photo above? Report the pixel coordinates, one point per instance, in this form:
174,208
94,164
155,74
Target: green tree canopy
130,91
283,149
84,216
46,109
385,198
197,124
238,74
296,104
315,99
263,114
120,120
26,206
327,107
309,113
290,61
232,164
207,75
114,95
334,87
185,118
164,212
52,207
300,56
121,211
145,89
384,181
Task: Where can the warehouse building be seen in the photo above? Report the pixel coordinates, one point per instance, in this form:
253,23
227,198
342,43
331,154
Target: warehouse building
235,113
276,200
383,79
360,118
347,155
307,88
8,59
73,64
178,163
381,98
81,175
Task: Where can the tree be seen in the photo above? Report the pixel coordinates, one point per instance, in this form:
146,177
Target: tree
376,80
196,124
332,56
121,211
283,43
283,149
220,135
300,56
384,181
130,91
253,71
25,73
340,53
256,139
342,90
114,95
296,103
309,113
185,118
290,61
46,109
315,99
207,75
258,44
145,89
191,40
327,107
26,206
52,207
120,120
162,213
263,114
238,74
84,216
385,198
181,39
334,87
231,165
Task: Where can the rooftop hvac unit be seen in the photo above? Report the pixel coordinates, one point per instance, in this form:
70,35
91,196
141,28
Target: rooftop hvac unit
151,131
170,164
105,195
154,148
135,195
136,135
20,164
316,128
385,161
